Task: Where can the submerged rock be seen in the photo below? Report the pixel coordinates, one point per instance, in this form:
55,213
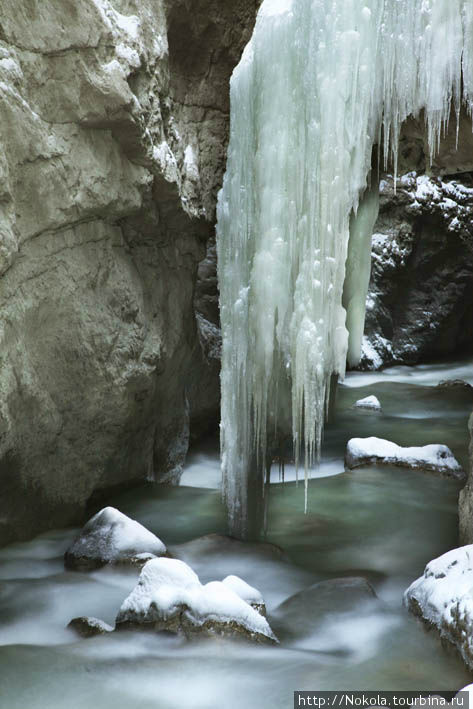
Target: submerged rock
88,627
170,597
110,537
305,611
434,458
454,384
211,545
443,598
369,402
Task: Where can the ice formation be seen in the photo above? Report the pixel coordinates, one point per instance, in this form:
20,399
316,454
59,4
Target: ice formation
320,83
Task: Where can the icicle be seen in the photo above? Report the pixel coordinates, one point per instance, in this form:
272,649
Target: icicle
316,86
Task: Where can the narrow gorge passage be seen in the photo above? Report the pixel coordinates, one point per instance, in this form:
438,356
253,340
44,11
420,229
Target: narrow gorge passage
236,352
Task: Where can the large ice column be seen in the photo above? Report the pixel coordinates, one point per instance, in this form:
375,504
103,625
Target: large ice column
319,84
358,270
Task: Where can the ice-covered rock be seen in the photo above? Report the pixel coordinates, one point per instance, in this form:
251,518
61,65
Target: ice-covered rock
88,627
169,596
435,458
369,402
110,537
443,598
247,593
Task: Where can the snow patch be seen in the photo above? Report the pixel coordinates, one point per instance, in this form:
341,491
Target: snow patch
191,167
129,55
434,457
246,592
369,402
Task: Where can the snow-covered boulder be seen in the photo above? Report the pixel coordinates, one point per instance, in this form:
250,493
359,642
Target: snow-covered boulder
169,596
88,627
369,402
434,458
111,537
443,598
246,592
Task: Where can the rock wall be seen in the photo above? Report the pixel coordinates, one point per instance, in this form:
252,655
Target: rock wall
465,503
113,128
420,299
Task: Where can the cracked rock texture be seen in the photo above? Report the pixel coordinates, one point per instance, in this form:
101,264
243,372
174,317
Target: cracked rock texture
113,129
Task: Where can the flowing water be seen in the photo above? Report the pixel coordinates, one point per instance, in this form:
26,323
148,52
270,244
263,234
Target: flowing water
382,524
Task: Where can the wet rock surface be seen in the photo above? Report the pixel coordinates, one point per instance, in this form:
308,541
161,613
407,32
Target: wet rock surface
315,603
87,627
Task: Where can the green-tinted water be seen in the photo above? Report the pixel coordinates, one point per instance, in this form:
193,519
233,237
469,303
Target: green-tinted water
381,524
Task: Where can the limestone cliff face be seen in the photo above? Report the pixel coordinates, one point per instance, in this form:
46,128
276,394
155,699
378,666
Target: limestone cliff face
113,128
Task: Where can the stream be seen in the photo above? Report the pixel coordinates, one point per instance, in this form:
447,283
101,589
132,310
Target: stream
383,524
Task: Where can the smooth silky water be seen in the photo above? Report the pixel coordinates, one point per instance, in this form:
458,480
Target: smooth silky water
383,524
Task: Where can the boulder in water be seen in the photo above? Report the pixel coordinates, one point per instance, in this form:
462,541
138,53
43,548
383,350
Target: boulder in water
170,597
443,598
370,403
110,537
454,384
305,612
434,458
88,627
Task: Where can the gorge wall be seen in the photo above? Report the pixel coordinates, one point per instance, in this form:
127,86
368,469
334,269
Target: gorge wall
420,299
113,129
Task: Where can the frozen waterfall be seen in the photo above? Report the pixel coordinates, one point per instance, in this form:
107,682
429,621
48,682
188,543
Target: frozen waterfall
320,83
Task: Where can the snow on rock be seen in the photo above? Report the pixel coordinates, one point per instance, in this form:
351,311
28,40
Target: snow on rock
88,627
111,537
169,596
375,349
443,597
401,324
246,592
434,458
369,402
454,383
